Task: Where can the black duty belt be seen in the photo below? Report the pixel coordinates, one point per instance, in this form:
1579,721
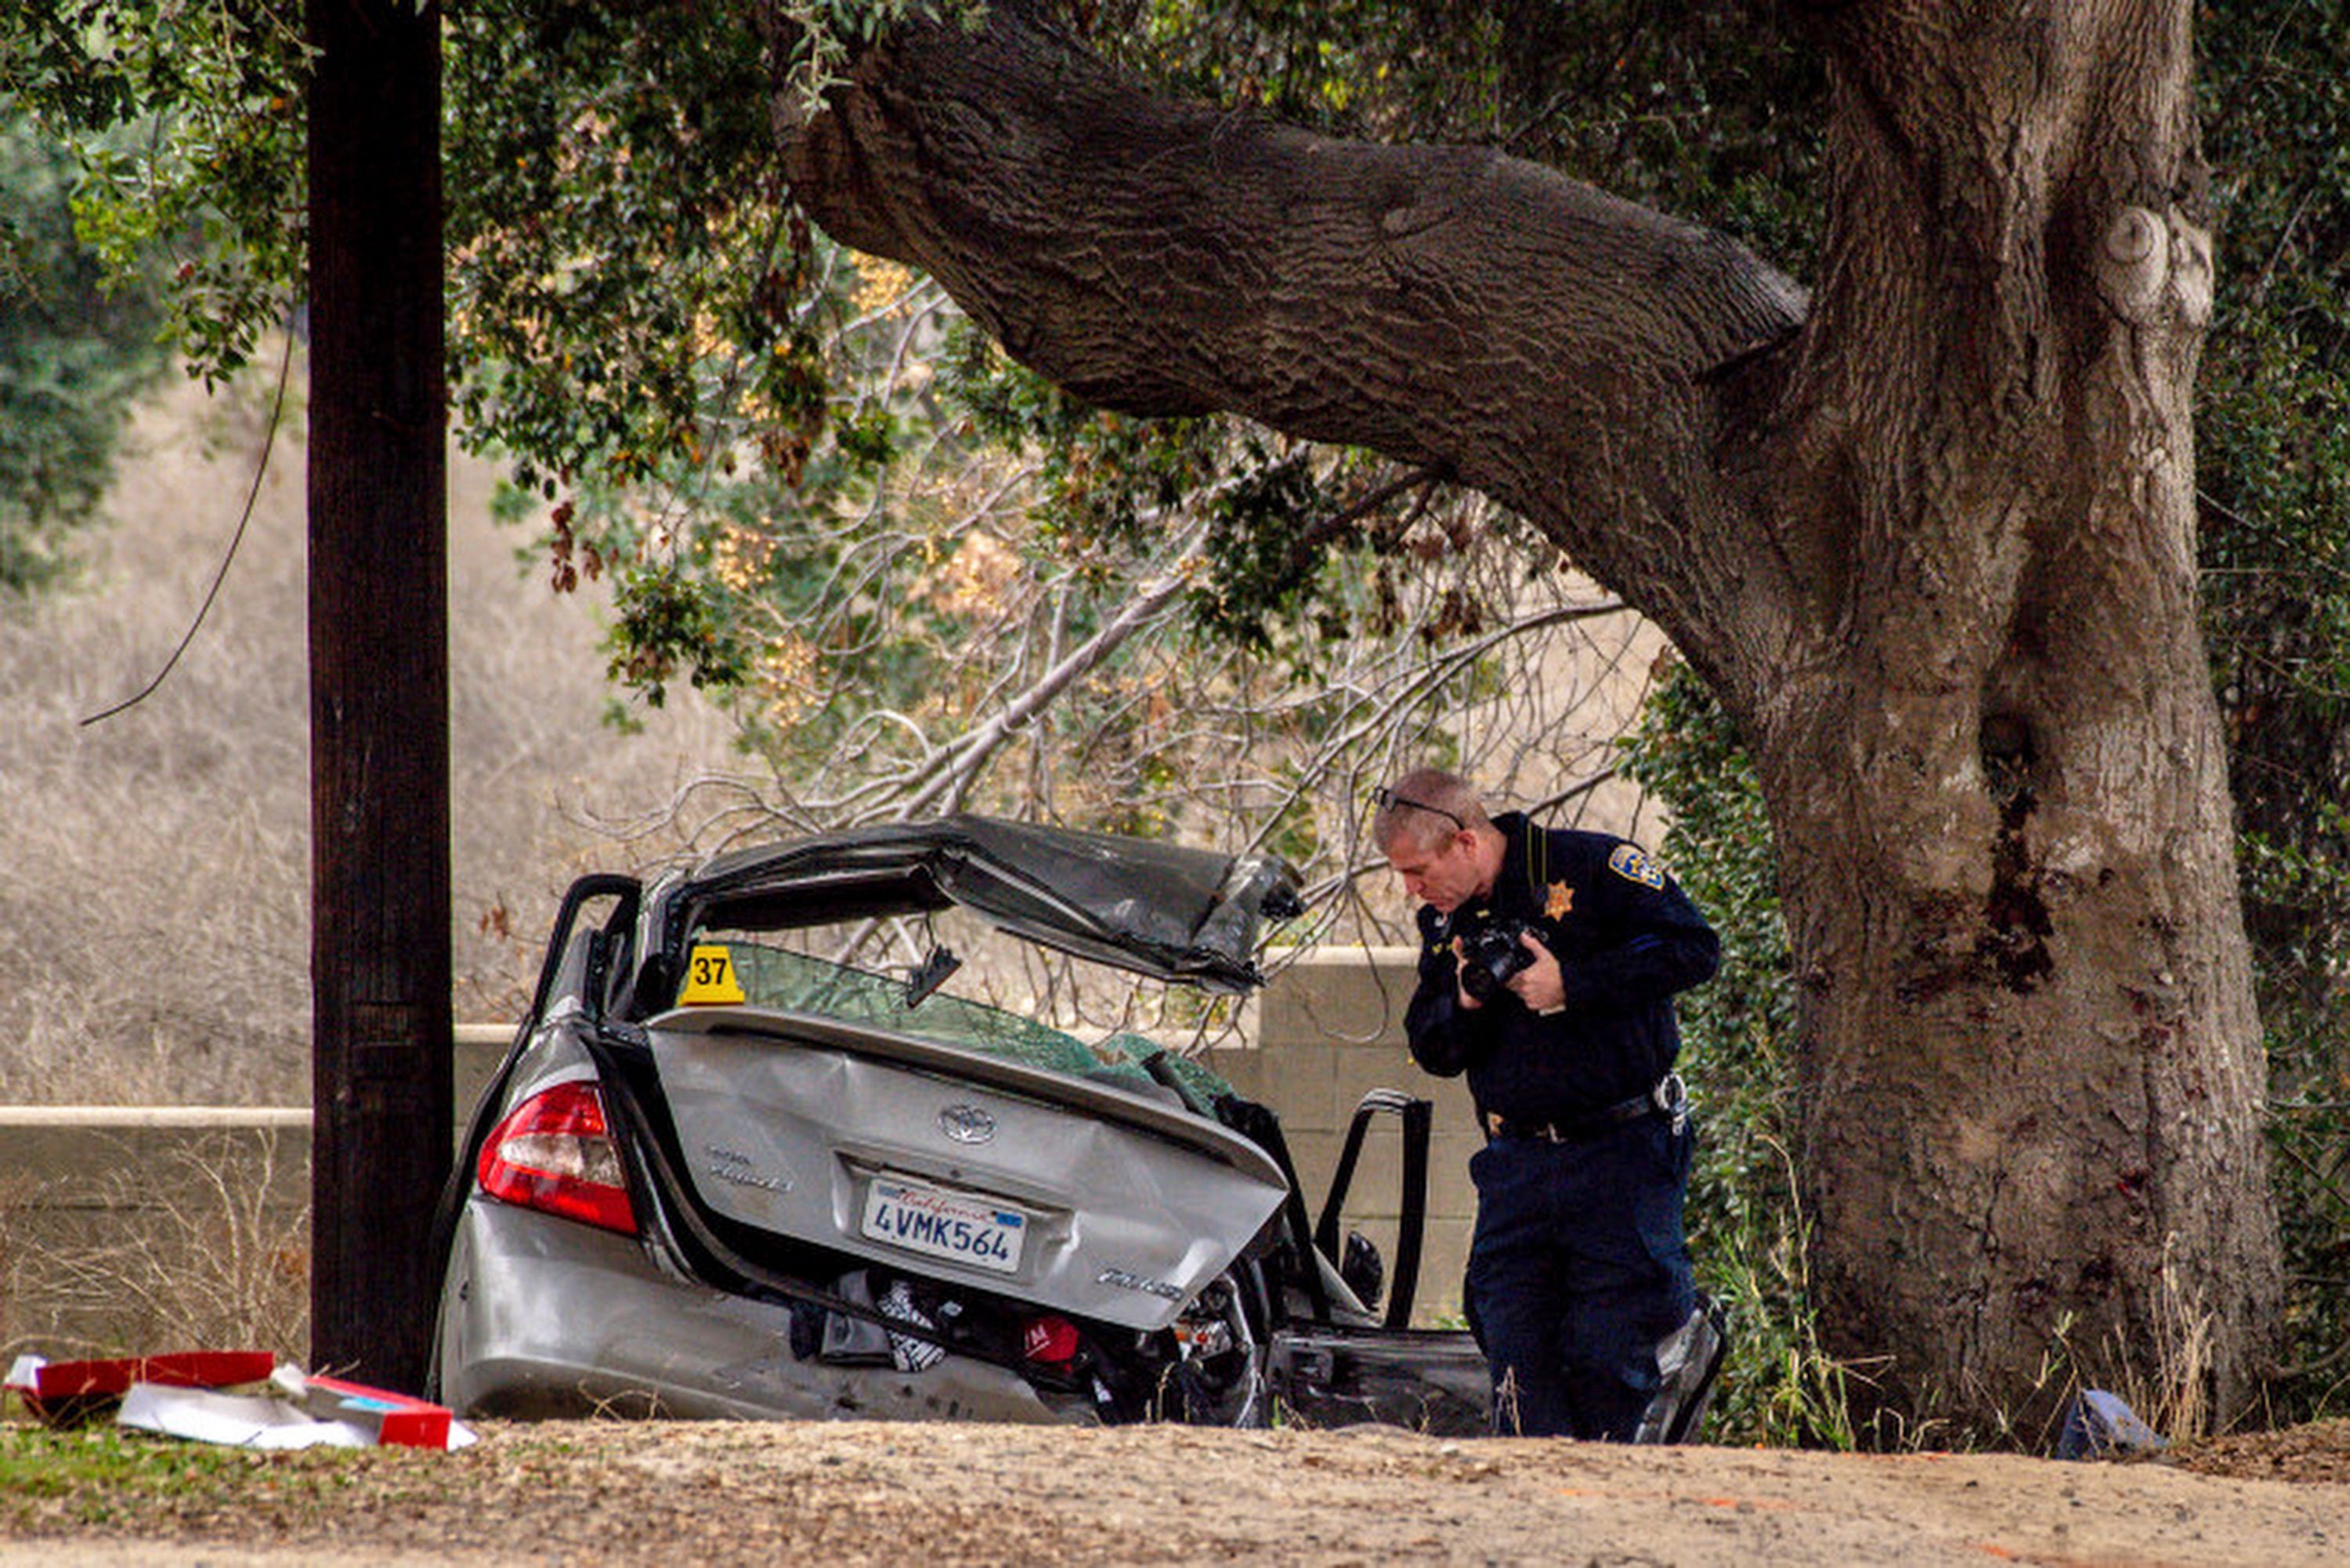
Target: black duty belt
1668,1099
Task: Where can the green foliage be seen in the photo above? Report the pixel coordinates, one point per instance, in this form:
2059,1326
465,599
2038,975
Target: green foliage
752,430
580,132
100,1472
73,354
1257,568
642,322
187,121
2273,470
1703,110
1745,1219
631,305
619,250
666,624
614,210
1104,480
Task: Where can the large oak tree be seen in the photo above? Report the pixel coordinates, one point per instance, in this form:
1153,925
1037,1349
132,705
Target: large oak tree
1927,529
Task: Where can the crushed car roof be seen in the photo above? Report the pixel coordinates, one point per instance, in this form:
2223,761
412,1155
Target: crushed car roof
1162,910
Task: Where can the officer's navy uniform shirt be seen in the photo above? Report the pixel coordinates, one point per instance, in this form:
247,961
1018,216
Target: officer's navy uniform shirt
1627,939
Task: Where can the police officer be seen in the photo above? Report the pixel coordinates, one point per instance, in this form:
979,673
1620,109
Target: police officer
1548,959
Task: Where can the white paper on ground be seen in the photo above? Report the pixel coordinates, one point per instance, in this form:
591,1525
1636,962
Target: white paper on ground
240,1420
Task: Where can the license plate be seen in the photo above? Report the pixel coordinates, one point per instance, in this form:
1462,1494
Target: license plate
945,1224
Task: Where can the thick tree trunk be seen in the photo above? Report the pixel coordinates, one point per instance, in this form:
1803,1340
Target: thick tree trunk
2032,1079
1930,540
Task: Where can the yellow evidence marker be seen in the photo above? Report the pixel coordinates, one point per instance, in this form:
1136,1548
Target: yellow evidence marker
709,978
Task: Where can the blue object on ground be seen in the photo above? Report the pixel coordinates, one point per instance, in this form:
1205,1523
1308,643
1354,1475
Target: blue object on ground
2099,1425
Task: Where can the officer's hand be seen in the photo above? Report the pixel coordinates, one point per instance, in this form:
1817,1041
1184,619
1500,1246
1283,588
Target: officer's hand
1540,986
1461,992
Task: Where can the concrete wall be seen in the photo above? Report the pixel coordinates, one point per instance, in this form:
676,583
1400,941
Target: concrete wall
136,1227
151,1228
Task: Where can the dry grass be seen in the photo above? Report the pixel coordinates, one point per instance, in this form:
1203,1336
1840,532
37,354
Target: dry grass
2178,1402
206,1241
154,916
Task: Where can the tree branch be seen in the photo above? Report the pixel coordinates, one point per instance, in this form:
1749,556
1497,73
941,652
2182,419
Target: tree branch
1449,307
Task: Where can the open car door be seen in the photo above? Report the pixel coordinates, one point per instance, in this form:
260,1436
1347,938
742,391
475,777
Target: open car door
1343,1351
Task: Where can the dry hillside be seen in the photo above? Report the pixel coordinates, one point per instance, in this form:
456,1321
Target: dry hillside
155,910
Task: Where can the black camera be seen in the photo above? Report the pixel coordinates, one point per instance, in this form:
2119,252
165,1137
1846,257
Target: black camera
1489,956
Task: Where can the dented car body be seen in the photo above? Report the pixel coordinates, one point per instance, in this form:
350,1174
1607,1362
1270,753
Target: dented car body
721,1175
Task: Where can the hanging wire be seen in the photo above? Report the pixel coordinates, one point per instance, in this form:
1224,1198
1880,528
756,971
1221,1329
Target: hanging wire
260,471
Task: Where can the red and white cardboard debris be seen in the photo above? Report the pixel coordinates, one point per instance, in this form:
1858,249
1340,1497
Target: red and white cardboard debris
194,1396
67,1393
393,1420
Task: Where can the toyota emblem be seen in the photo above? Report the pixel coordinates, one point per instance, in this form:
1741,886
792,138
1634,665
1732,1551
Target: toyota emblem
966,1123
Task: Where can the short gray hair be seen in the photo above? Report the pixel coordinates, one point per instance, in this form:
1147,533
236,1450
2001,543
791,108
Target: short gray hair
1426,807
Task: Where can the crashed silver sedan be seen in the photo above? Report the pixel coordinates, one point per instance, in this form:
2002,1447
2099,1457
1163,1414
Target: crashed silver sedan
721,1174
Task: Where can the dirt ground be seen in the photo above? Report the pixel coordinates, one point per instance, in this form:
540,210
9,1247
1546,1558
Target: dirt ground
941,1495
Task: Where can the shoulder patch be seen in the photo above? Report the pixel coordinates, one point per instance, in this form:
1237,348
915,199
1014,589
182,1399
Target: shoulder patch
1629,863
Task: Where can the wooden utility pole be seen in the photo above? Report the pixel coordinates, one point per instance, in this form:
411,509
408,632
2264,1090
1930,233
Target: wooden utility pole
380,959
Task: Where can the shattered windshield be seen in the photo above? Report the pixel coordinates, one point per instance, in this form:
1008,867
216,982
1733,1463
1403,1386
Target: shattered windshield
774,977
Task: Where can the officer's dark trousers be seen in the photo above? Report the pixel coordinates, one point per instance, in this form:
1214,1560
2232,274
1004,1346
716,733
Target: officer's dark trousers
1576,1269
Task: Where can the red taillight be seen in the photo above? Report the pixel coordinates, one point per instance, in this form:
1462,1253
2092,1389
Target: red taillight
1049,1340
553,1153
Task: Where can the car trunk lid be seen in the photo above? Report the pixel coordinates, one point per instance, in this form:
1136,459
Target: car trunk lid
1094,1198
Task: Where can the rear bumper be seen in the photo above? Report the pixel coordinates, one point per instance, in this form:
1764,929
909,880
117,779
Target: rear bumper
545,1317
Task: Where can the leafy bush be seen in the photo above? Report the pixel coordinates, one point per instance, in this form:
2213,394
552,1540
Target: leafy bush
1745,1218
2272,471
73,354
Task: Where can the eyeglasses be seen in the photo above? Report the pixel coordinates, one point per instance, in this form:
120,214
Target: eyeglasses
1386,799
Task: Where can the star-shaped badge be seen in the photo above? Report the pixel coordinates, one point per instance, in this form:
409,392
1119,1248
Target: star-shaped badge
1562,899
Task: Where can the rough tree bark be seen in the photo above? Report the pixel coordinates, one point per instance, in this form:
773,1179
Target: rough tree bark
1929,534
